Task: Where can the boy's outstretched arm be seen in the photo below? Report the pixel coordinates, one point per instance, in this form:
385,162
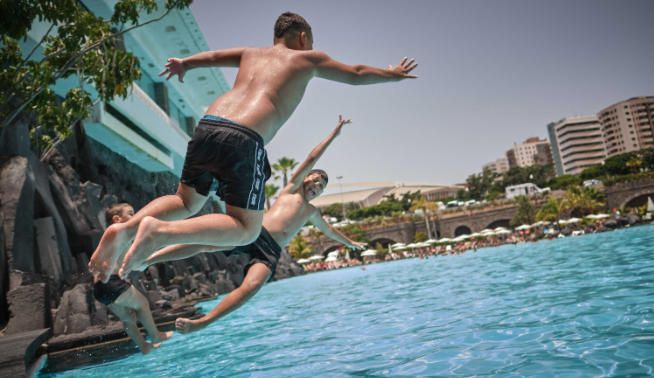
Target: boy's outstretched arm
255,278
332,233
220,58
330,69
307,165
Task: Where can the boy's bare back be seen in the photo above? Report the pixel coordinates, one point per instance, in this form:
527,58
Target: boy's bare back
269,86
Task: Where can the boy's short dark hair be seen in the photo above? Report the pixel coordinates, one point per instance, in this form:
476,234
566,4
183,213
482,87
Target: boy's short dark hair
321,173
116,209
290,22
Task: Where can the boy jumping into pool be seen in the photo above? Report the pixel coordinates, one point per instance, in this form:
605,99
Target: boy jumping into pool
123,299
228,145
281,223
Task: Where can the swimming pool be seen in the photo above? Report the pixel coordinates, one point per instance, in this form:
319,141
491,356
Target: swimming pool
580,306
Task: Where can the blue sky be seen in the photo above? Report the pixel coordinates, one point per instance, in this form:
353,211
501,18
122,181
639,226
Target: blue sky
491,73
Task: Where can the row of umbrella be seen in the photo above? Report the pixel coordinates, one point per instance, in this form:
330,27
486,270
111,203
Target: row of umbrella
333,256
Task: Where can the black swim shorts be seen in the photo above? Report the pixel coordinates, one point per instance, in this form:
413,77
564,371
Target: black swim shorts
232,154
264,250
107,293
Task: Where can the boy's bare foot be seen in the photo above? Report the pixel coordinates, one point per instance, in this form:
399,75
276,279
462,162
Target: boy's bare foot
184,325
143,246
163,336
112,244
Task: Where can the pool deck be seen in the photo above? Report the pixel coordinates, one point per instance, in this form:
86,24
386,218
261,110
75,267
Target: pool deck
17,351
101,344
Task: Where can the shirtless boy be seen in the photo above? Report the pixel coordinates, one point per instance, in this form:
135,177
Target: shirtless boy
123,299
228,145
281,223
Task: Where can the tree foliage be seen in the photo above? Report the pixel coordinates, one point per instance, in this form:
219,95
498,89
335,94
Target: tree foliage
77,44
624,164
299,248
525,214
389,206
284,165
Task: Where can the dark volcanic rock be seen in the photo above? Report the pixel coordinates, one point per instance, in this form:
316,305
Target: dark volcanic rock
287,267
17,206
29,308
75,312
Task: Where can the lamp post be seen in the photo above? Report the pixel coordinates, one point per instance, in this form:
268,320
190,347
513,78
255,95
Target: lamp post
340,186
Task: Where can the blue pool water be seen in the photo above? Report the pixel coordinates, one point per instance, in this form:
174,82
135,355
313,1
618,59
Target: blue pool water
580,306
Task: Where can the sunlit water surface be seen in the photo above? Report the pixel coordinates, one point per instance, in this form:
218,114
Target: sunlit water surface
579,306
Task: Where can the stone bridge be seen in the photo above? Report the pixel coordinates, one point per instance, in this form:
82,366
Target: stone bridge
448,224
631,194
454,223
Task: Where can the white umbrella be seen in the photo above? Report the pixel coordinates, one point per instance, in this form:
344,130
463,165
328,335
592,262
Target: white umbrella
444,240
315,258
423,245
368,252
331,259
563,221
412,245
486,230
650,205
523,227
431,241
461,238
538,224
602,216
332,254
488,233
499,229
398,245
574,220
503,232
303,261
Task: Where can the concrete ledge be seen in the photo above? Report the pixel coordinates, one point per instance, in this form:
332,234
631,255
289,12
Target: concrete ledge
101,344
18,351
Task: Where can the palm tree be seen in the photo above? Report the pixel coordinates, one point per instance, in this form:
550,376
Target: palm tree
552,209
584,200
524,212
420,202
284,165
271,190
298,248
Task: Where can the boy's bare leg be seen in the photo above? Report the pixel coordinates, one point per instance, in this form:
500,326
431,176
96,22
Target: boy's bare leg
179,252
237,227
128,317
257,275
116,238
134,300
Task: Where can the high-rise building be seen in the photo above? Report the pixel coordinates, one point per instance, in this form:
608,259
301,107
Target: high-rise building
533,151
577,144
498,166
628,125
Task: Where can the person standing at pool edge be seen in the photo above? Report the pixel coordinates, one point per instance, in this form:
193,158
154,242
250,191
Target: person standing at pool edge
228,144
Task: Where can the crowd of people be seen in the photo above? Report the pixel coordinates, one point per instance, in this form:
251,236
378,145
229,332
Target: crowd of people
539,231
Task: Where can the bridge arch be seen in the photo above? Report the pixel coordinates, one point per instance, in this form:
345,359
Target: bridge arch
506,223
462,230
637,199
385,242
330,248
